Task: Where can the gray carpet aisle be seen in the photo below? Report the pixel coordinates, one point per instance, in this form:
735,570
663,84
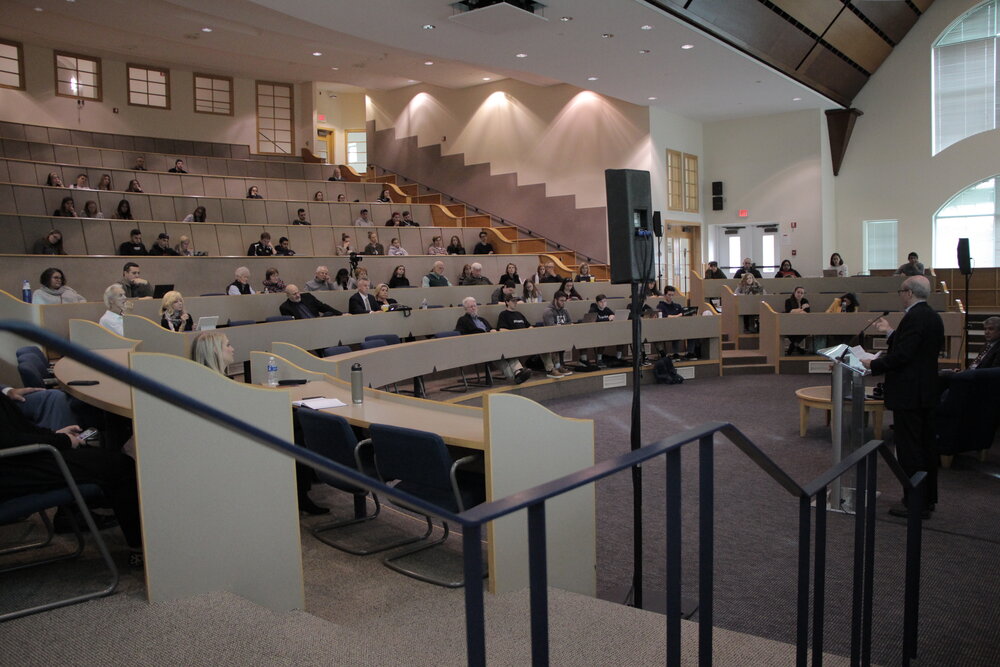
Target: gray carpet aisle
756,523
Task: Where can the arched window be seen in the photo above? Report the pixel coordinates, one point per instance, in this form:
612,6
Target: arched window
971,214
965,77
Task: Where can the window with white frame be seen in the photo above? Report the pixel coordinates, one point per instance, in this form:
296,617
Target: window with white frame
880,245
11,65
356,142
148,86
965,77
275,118
970,214
213,94
78,76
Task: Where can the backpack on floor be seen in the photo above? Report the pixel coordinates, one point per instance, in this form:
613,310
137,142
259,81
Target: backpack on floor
665,373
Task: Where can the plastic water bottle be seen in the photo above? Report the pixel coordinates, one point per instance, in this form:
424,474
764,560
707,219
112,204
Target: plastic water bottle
26,291
423,304
272,372
357,385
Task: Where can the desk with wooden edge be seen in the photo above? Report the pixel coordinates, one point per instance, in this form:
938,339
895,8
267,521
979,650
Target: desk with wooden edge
109,394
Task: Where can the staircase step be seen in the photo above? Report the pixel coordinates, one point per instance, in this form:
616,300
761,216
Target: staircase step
748,369
742,357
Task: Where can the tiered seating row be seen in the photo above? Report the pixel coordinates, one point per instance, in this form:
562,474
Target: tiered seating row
85,236
127,142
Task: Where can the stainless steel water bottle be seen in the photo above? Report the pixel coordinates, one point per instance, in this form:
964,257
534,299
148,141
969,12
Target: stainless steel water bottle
357,384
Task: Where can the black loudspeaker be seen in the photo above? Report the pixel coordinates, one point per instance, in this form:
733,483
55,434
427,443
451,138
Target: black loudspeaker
717,203
630,217
716,188
657,225
964,261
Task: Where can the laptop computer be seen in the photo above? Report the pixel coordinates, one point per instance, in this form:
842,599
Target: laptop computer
160,290
829,273
207,323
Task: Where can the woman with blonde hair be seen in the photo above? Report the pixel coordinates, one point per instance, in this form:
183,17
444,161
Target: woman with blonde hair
173,315
212,349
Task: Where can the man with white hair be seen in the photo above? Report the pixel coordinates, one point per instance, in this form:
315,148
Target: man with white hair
472,323
436,277
476,276
321,281
911,386
241,283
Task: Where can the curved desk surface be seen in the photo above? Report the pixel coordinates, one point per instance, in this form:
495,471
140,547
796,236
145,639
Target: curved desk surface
110,394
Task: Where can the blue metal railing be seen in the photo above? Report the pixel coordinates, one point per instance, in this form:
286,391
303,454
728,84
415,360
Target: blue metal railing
533,501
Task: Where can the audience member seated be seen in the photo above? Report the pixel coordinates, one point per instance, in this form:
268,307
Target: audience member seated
399,278
363,220
134,246
184,247
300,218
253,193
321,280
472,323
54,289
90,210
361,302
600,312
436,277
67,208
651,289
318,196
511,318
342,281
81,183
989,356
749,285
50,244
340,198
304,306
748,267
555,315
284,247
273,284
584,275
383,298
796,303
913,266
476,276
530,292
140,164
455,246
198,215
105,183
567,288
374,247
396,250
408,220
713,272
162,246
133,284
113,471
395,220
436,247
385,197
484,247
550,274
178,167
212,349
54,180
114,302
510,273
837,264
173,315
336,175
671,309
123,211
345,245
786,270
262,248
849,303
241,283
500,294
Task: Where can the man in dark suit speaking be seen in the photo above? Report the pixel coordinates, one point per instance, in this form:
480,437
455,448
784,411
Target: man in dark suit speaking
303,305
911,392
362,302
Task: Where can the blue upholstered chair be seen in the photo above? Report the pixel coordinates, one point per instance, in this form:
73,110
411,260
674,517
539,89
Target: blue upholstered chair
278,318
370,343
390,339
334,350
241,323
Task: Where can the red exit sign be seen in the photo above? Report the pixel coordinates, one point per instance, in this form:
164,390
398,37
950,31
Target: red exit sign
743,213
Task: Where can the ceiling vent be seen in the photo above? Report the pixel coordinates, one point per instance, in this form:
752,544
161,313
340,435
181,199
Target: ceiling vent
498,16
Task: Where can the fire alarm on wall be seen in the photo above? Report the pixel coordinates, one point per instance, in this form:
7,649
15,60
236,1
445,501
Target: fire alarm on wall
794,224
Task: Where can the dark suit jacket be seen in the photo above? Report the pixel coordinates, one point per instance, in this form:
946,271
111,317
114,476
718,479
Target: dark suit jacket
992,357
466,325
314,305
911,364
356,304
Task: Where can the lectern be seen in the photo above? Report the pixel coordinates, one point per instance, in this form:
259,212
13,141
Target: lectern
847,421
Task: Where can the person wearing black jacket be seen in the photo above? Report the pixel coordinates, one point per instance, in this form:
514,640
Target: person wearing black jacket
304,306
361,302
261,248
162,246
910,367
472,323
601,313
134,246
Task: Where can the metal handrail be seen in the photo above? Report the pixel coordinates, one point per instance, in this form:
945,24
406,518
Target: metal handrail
533,500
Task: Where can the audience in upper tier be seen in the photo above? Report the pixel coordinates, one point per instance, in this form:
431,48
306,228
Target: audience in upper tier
713,272
395,249
382,297
284,247
484,247
162,246
262,248
363,220
81,182
455,246
54,289
241,283
321,280
133,284
345,245
253,193
510,273
67,208
399,278
342,281
913,266
185,248
50,244
361,302
105,182
786,270
336,175
198,215
374,247
140,164
436,277
54,180
748,267
123,211
408,220
300,218
178,167
584,275
303,305
134,186
436,247
837,265
395,220
134,246
273,284
114,302
318,196
530,292
385,197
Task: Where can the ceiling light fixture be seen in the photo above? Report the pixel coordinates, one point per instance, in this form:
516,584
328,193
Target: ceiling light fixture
522,55
317,53
687,46
647,27
39,9
566,19
650,98
429,26
796,99
428,62
335,68
643,51
206,30
591,78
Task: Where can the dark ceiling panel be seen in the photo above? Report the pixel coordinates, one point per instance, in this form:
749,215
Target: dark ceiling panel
852,37
813,14
923,5
826,66
893,18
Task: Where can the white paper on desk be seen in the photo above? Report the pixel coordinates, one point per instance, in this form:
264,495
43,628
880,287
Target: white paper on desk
319,403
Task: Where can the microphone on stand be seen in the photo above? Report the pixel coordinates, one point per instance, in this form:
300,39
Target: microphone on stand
861,334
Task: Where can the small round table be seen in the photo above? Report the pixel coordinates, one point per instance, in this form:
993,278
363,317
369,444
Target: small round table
819,398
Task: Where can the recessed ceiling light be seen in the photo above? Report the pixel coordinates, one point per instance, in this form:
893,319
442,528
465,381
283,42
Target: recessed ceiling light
206,30
335,68
522,55
412,81
487,78
650,98
591,78
647,27
643,51
796,99
39,9
428,62
429,26
565,19
607,35
687,46
317,53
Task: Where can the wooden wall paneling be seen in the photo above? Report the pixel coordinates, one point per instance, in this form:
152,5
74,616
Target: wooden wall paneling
176,230
97,239
36,133
193,165
340,214
234,187
156,162
23,173
124,143
236,168
256,169
42,152
274,170
20,235
317,213
295,171
89,157
33,201
323,240
170,184
213,209
852,37
194,185
254,213
72,231
298,190
120,232
164,207
205,238
277,212
58,135
65,155
12,130
215,186
274,190
230,210
13,148
230,240
113,159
